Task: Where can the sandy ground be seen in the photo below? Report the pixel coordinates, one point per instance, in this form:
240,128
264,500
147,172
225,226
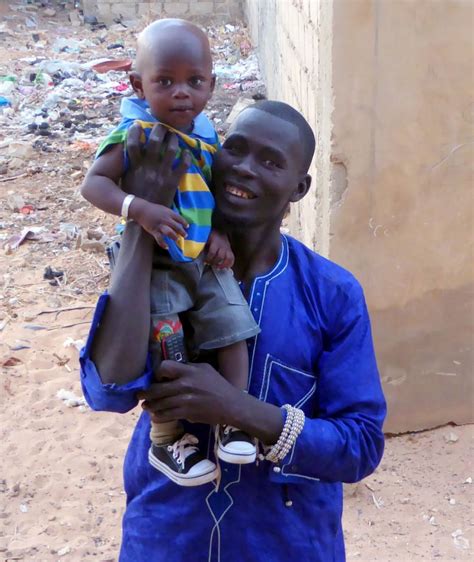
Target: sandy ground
61,494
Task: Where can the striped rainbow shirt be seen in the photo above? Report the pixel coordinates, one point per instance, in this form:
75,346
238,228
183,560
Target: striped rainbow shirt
193,200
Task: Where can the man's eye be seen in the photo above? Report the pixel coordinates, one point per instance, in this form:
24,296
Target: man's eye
196,82
165,82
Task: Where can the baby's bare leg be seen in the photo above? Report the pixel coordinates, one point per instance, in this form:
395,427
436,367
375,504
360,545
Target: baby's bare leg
234,364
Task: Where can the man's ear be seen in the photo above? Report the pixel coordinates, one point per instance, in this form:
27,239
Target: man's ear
137,85
302,189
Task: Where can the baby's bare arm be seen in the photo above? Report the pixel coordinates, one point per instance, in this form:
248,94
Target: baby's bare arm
101,184
100,187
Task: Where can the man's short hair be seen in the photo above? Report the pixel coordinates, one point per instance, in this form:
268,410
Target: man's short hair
288,113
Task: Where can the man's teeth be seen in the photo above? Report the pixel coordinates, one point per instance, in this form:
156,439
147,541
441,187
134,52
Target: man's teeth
238,192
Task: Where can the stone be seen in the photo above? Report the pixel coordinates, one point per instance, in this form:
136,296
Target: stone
20,149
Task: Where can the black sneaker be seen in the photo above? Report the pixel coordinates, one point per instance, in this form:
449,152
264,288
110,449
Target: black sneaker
182,462
235,446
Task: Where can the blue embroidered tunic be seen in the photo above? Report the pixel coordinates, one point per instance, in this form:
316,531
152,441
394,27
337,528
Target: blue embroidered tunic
314,351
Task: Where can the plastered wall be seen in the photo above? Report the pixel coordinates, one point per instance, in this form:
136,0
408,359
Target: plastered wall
388,87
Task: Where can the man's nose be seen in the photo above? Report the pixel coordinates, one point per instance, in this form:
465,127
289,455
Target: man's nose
245,167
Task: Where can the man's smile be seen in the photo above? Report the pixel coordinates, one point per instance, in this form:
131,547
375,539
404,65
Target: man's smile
240,192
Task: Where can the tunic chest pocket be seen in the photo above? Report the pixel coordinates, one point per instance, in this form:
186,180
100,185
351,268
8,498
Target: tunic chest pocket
283,384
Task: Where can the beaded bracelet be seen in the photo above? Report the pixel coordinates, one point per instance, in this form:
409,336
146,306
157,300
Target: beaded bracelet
293,426
274,451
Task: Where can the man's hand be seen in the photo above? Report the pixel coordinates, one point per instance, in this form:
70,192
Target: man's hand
159,221
198,393
151,175
219,253
195,392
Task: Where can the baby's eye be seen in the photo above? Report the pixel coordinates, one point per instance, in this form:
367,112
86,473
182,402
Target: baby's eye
270,163
196,81
165,82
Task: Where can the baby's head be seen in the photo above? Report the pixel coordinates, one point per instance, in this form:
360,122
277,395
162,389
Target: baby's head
173,71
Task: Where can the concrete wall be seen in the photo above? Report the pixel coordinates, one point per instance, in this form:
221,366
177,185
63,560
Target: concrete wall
107,10
293,39
388,87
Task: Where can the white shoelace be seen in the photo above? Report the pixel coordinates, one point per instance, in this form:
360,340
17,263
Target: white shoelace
184,447
230,429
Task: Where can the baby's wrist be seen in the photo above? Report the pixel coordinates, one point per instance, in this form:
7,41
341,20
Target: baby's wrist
135,211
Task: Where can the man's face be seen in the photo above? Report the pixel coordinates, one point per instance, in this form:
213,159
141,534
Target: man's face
259,170
177,84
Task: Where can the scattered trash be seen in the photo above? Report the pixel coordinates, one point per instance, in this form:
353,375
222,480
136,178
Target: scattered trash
28,233
459,541
451,438
19,346
27,210
65,550
70,230
378,502
108,65
78,344
15,202
239,106
23,508
53,276
468,480
11,362
70,399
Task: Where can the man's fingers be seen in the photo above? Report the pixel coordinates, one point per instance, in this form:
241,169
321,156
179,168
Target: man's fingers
171,370
229,260
183,165
211,254
162,404
133,144
155,142
168,416
157,390
170,152
220,256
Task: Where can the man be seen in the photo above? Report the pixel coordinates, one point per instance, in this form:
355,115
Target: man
314,395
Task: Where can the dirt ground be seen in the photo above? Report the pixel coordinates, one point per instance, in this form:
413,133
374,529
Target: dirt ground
61,494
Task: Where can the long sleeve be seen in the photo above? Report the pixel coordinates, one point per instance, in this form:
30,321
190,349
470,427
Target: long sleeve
108,397
344,443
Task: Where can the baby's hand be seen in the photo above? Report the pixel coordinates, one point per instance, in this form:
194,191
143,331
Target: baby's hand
159,221
219,253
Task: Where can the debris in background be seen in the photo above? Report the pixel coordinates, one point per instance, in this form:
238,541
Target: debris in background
451,437
50,273
70,399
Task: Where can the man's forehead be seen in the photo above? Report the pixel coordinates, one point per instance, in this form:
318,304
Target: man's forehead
266,124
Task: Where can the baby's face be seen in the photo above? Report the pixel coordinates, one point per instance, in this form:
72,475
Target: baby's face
177,84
